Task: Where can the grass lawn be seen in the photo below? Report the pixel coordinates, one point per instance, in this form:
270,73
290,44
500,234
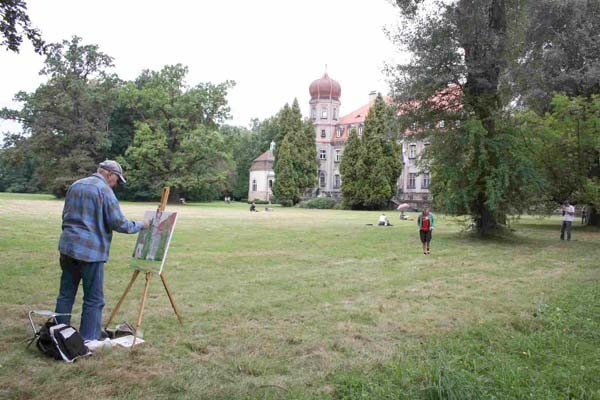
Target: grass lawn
299,304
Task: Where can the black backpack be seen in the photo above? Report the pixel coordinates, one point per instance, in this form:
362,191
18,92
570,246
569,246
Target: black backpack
60,341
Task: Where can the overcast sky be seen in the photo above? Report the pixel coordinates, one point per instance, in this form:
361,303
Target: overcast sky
273,49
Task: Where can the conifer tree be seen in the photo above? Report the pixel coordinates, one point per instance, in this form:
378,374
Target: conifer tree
286,177
371,164
351,169
296,156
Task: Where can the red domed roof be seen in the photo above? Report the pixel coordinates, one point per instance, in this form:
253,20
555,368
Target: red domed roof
325,88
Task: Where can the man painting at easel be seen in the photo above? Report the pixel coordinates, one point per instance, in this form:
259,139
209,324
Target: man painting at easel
90,214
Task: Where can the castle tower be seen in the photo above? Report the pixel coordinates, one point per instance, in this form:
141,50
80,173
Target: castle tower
324,111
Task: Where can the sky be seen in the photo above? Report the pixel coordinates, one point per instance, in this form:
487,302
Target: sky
272,49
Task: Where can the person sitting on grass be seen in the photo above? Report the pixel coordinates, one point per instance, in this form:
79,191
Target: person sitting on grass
253,207
383,221
426,223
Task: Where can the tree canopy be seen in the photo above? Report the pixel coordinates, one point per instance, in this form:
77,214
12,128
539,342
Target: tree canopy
15,23
65,120
176,141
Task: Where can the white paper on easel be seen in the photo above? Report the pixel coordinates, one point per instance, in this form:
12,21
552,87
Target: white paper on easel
126,341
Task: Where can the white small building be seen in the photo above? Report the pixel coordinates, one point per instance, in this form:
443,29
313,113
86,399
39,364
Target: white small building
262,176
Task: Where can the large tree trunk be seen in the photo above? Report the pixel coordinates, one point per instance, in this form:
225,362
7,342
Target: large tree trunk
484,41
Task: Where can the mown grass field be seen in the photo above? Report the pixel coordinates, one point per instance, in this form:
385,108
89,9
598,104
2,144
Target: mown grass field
303,304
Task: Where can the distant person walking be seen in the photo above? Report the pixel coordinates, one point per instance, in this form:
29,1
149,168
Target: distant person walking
426,223
568,212
90,214
583,216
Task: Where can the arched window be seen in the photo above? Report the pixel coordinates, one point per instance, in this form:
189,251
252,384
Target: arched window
322,179
254,185
270,183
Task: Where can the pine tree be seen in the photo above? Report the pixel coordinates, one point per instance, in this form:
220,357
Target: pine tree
286,176
351,169
296,156
371,164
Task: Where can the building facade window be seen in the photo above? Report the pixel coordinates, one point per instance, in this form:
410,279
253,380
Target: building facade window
254,185
271,184
412,178
360,130
335,113
324,113
337,181
338,155
412,151
338,131
425,181
322,154
313,113
322,181
425,147
323,134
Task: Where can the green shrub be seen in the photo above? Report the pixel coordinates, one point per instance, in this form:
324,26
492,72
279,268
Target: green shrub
258,201
321,203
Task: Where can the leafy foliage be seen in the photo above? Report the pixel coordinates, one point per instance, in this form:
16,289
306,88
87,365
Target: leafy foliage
66,119
15,23
371,164
295,158
460,48
462,171
565,143
244,146
176,140
560,52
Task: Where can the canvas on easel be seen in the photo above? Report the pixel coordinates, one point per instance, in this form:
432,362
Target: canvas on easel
150,251
149,255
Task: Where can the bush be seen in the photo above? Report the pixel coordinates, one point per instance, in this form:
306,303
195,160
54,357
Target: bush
321,203
258,201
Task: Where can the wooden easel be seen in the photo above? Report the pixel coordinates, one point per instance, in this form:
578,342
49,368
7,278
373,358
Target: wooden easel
163,204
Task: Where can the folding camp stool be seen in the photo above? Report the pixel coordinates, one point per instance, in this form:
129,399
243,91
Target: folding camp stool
45,313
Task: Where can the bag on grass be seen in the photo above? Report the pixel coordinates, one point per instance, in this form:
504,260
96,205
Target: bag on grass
60,341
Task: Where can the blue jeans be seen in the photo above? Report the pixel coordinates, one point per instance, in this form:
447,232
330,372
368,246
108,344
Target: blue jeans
566,227
92,274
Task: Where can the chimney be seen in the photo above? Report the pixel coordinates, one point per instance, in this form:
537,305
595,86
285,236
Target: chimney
372,96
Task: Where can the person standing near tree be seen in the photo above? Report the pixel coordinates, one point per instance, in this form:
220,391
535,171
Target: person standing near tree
568,212
90,214
426,223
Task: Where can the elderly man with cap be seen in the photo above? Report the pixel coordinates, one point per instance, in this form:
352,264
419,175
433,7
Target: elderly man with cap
90,214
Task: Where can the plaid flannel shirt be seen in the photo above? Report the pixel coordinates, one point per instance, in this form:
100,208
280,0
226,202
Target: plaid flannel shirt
90,214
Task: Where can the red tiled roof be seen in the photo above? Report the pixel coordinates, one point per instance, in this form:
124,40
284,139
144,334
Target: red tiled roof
266,156
263,162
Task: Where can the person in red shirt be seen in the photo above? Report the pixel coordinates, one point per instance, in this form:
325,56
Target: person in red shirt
426,222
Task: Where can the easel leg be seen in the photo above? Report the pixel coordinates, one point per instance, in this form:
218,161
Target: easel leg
114,312
139,319
162,277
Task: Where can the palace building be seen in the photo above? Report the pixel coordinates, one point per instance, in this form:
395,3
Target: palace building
331,133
